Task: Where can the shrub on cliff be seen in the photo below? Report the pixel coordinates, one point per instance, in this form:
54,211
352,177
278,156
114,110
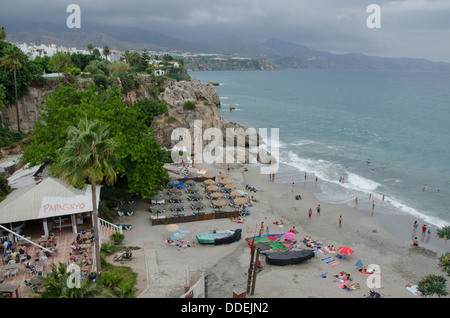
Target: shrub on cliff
189,105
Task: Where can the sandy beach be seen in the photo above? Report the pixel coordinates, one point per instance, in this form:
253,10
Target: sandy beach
163,270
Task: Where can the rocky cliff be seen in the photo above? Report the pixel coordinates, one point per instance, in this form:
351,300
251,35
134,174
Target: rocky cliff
205,114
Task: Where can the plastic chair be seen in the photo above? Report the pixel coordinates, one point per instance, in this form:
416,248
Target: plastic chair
6,274
14,272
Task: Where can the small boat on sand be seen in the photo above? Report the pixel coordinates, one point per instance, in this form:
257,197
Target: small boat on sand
219,237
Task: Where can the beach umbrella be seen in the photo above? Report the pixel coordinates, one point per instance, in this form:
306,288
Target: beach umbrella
177,207
222,175
236,194
207,175
212,188
359,264
216,195
239,201
174,191
289,235
219,203
225,181
172,227
173,183
176,236
198,205
190,183
209,182
345,250
192,190
230,186
195,196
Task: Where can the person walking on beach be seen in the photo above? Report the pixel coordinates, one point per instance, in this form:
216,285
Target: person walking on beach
293,186
340,221
424,228
261,230
310,213
273,177
429,230
356,202
305,176
318,209
373,205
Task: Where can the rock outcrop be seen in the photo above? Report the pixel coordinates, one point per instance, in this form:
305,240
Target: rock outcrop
196,120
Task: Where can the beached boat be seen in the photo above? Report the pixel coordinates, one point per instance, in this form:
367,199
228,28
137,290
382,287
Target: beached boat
270,243
219,237
289,257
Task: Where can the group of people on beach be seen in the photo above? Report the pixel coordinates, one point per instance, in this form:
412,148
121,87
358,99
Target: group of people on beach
425,230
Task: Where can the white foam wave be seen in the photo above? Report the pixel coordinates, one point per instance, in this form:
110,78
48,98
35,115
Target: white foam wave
360,183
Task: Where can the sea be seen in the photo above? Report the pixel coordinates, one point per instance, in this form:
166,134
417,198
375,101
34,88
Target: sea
380,136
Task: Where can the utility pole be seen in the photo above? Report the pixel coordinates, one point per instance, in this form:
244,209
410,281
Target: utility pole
252,270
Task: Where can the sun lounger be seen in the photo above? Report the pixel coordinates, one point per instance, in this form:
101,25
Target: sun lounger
199,213
125,212
125,226
178,215
219,211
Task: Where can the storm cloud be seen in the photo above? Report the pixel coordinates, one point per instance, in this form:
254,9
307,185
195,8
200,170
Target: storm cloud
409,28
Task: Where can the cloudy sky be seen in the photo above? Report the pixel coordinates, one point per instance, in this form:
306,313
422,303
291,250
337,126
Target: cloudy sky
409,28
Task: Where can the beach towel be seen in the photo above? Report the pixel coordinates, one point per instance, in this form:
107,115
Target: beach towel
328,250
330,261
413,289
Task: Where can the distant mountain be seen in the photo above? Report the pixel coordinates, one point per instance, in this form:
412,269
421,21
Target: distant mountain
277,52
300,56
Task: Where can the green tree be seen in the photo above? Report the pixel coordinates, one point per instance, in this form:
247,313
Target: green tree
149,109
89,155
60,62
96,53
58,284
141,158
444,233
432,284
444,263
90,47
13,60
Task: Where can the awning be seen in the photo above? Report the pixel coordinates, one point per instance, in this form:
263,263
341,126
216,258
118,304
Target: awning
50,198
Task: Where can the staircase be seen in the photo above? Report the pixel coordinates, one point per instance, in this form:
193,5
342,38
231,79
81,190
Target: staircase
106,229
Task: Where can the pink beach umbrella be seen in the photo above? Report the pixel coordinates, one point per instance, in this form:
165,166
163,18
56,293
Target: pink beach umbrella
289,235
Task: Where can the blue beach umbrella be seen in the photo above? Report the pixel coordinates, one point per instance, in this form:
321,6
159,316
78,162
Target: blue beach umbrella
176,236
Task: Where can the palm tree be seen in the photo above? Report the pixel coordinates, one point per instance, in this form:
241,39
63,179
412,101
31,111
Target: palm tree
55,285
90,47
2,33
106,51
13,60
89,156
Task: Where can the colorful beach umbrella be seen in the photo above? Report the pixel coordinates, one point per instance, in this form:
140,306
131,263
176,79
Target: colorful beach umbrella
289,235
172,227
345,250
176,236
